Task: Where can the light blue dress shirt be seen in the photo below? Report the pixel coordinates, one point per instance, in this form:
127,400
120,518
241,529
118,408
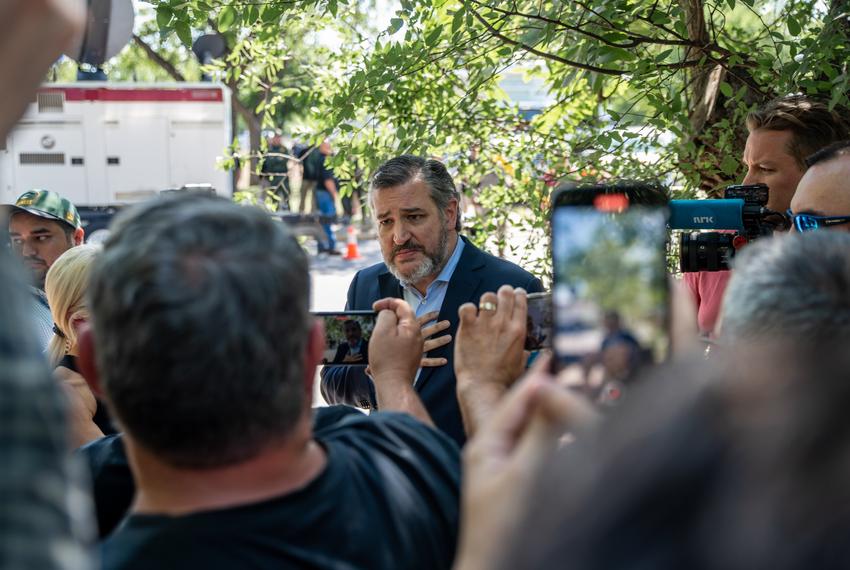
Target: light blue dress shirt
435,294
42,319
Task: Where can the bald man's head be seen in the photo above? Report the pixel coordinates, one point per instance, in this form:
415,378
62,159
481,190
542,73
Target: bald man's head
824,189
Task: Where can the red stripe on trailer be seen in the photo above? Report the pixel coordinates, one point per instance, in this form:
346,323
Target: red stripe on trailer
199,94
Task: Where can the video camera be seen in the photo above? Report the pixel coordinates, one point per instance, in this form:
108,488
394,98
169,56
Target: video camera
742,209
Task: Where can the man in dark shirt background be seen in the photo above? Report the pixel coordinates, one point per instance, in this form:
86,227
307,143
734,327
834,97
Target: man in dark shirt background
326,198
230,471
275,171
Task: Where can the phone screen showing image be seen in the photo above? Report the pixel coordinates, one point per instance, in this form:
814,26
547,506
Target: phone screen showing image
610,293
347,336
539,322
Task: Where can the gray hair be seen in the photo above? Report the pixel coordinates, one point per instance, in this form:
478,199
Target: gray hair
407,167
200,319
793,286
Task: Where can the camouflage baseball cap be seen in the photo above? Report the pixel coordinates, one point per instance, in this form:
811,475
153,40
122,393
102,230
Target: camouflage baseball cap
47,204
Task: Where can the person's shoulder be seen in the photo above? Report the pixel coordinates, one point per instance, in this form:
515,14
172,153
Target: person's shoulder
424,462
328,416
371,272
384,431
108,449
149,541
501,267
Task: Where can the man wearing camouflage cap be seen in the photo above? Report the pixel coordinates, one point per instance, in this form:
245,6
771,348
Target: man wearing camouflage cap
42,226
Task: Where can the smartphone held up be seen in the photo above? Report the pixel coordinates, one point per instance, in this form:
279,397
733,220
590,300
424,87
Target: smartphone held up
347,336
610,293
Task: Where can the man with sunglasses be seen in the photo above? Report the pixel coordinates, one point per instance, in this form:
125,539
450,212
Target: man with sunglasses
821,200
781,134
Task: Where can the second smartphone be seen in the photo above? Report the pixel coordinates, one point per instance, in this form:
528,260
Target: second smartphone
610,292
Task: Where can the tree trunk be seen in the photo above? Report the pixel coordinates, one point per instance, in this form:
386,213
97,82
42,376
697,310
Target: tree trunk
704,80
252,122
707,104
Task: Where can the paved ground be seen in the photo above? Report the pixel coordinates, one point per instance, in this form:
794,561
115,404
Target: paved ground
332,274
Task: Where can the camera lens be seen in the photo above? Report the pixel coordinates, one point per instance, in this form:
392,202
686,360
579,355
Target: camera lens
709,251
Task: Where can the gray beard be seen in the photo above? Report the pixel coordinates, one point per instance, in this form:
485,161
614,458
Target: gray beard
431,265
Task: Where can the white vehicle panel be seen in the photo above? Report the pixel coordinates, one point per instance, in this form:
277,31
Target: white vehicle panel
112,144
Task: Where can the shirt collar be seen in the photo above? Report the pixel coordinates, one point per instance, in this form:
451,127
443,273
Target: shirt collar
39,294
449,269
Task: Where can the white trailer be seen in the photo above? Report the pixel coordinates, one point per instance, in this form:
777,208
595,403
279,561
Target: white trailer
104,145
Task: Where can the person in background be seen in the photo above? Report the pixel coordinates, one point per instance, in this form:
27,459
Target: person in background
42,226
46,517
326,199
822,199
782,134
65,288
276,171
311,161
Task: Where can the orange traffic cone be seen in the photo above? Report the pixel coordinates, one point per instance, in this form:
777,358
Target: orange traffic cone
352,251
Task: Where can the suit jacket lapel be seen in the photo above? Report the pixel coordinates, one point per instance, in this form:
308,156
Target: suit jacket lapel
389,286
462,287
463,284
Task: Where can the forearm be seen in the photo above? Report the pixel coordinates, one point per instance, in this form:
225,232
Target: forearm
477,403
396,395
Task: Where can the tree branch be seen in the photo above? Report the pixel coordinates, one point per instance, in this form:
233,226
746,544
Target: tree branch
154,56
635,39
543,54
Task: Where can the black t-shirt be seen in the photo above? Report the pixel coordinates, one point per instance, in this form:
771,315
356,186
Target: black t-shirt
113,487
112,482
324,172
387,499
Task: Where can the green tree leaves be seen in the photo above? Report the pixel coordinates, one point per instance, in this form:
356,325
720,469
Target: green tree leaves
226,18
636,89
793,25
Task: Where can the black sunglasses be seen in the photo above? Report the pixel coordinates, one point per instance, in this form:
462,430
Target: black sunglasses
810,222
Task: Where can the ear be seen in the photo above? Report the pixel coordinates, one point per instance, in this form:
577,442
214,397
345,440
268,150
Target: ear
79,236
77,320
86,358
451,214
313,353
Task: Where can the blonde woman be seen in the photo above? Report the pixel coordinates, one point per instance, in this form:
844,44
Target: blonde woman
65,287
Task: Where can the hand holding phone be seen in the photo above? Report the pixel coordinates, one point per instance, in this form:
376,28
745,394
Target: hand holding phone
397,344
491,339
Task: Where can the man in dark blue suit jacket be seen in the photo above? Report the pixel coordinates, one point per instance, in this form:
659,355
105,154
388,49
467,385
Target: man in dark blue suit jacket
430,265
